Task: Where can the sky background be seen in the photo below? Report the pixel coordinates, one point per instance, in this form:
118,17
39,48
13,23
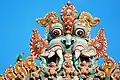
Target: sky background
18,18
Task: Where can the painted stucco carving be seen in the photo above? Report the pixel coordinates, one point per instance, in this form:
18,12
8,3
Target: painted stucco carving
68,52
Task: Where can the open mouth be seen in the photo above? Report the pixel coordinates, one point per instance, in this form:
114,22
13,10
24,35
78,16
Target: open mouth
55,55
77,50
87,58
54,58
84,58
84,54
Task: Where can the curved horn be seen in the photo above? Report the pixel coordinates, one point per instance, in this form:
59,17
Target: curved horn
87,19
48,20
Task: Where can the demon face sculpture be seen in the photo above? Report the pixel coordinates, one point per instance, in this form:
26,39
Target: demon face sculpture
68,40
68,52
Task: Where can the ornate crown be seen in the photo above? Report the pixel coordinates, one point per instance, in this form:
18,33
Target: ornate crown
68,18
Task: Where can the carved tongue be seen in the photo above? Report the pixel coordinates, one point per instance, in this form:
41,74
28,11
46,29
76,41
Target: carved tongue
52,53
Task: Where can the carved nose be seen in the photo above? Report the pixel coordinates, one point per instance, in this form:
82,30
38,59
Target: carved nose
68,40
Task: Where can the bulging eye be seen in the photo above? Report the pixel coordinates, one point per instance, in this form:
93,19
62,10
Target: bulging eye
56,32
80,32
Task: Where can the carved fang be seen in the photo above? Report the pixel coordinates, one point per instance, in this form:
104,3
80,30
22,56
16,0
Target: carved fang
59,53
60,62
77,53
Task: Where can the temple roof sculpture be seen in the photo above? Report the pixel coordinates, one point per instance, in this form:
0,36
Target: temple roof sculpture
68,52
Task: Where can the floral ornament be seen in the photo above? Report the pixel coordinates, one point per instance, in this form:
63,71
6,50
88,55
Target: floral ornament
29,63
87,19
37,44
9,74
35,74
1,77
19,69
100,72
68,15
49,19
100,43
109,65
116,73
